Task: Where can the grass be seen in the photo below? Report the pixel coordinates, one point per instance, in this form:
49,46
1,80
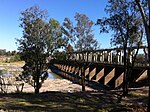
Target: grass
51,101
62,102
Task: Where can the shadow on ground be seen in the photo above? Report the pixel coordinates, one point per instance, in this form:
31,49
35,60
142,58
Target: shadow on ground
62,102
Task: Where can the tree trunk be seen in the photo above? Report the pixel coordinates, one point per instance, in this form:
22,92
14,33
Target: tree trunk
125,92
37,88
83,72
83,78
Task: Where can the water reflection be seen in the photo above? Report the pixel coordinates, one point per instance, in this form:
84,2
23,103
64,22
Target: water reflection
53,76
5,73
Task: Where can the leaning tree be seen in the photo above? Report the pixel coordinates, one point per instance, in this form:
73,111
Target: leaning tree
40,38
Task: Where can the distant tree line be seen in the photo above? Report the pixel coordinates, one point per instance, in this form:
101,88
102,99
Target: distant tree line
10,56
3,52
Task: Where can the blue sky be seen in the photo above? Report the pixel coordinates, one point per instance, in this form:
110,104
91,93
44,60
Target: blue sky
57,9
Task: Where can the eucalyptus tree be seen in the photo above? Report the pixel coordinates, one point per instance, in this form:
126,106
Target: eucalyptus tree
40,38
127,28
80,37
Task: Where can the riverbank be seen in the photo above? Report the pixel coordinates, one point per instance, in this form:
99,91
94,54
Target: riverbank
12,68
61,95
51,84
61,85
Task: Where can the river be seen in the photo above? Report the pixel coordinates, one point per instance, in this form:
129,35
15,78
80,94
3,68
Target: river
50,75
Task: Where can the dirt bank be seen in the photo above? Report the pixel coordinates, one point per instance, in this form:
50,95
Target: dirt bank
62,85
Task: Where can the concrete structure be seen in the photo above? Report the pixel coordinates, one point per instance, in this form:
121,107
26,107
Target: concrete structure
104,67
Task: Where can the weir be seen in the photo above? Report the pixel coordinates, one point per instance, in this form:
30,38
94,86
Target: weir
103,67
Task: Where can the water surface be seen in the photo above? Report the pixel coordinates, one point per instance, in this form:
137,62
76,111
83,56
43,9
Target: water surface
50,74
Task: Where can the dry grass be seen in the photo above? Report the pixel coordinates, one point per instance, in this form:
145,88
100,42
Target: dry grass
19,63
55,101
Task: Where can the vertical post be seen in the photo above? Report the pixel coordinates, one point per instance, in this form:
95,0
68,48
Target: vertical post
100,57
84,56
103,56
76,56
109,57
120,57
92,56
95,57
87,56
130,57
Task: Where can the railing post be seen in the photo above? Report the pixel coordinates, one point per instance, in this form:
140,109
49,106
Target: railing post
110,57
95,57
87,56
103,56
120,57
90,56
100,56
77,56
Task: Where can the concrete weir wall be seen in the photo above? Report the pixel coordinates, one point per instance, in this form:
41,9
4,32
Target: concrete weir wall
109,75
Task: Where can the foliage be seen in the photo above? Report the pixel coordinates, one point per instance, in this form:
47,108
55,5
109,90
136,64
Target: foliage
40,39
54,39
124,21
3,52
14,58
80,36
59,55
140,59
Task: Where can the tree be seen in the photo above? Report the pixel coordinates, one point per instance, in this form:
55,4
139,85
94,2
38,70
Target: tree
127,28
2,52
39,40
54,38
80,37
144,14
59,55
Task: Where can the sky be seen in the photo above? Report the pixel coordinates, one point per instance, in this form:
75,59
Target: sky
58,9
